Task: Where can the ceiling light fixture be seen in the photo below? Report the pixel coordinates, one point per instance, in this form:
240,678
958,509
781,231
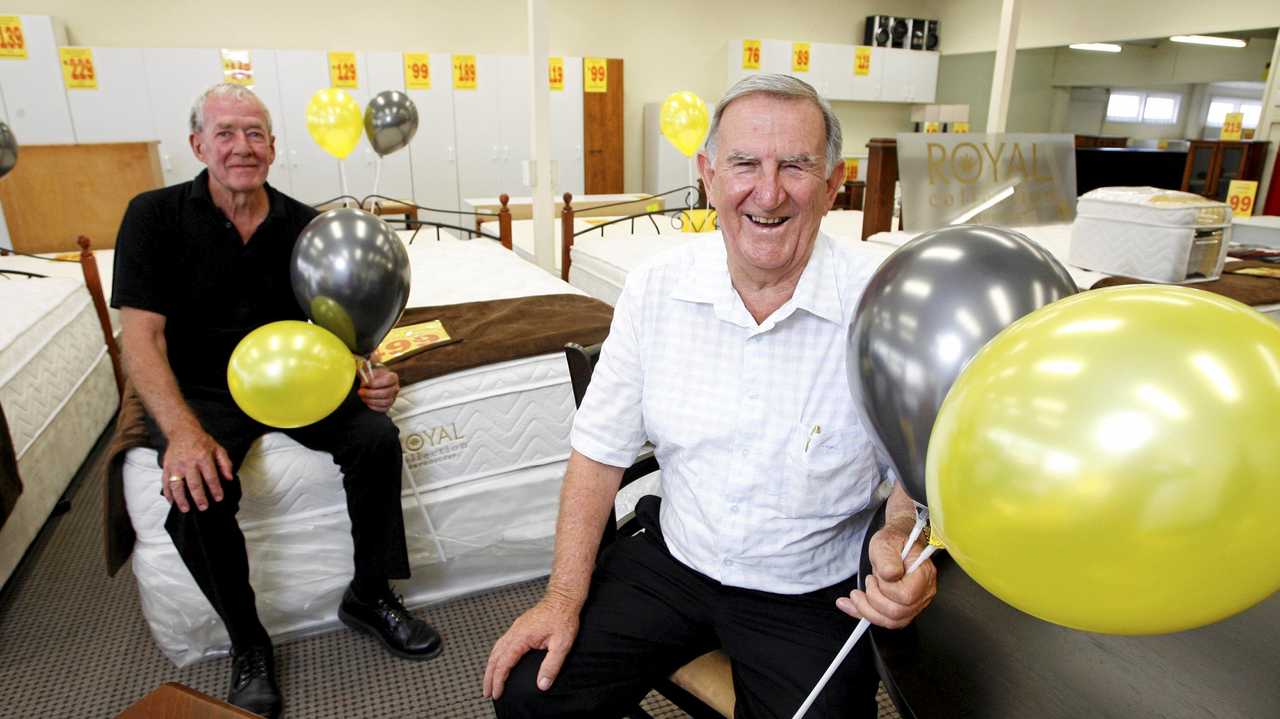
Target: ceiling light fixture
1096,46
1210,40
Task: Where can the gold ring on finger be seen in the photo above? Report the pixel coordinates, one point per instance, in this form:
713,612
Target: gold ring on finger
176,479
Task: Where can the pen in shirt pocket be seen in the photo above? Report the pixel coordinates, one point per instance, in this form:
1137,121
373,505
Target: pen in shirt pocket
817,429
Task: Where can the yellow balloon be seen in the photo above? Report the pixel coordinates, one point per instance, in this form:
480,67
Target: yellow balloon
684,121
698,221
289,373
335,121
1108,462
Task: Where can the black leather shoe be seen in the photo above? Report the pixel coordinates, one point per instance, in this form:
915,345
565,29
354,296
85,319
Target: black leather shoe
253,682
389,622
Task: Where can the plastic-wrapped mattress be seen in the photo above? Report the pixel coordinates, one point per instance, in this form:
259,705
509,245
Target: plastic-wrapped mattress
1151,234
485,451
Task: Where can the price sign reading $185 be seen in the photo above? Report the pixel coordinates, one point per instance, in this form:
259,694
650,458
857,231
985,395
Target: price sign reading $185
342,69
77,68
417,71
464,72
12,43
595,74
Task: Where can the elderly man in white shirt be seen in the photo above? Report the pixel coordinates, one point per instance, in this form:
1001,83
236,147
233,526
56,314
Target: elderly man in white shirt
729,356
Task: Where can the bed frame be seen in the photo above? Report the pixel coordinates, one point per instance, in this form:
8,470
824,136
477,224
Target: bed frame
384,206
694,198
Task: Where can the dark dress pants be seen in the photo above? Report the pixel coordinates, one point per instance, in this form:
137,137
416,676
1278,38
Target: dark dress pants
647,614
366,447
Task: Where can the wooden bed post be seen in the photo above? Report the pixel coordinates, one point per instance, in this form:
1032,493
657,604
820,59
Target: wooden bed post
882,174
89,266
504,221
566,235
702,195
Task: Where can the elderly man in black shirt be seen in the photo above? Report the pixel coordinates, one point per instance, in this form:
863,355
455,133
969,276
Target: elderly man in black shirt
198,266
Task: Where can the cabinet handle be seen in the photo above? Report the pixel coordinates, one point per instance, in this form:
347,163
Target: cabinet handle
453,155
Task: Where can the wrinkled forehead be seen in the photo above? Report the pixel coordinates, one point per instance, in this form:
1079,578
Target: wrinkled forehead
233,112
757,123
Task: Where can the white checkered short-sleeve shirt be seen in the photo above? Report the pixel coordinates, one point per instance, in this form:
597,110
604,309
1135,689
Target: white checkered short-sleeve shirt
769,478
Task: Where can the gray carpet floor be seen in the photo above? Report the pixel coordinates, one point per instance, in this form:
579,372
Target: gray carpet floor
73,643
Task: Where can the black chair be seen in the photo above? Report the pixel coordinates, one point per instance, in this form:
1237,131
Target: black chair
703,688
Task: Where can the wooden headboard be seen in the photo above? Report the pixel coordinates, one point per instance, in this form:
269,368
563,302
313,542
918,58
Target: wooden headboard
882,176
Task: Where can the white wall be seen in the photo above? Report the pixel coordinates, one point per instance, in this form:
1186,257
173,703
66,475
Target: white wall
667,45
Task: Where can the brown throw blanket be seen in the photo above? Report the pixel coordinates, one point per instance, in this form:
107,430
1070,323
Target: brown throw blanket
1249,289
10,482
490,331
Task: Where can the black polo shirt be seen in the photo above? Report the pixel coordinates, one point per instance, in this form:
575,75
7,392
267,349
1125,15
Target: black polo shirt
178,255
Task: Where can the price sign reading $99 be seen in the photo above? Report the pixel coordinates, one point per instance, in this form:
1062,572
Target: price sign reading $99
417,71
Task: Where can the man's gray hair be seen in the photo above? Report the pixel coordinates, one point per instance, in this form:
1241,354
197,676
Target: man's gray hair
787,88
225,90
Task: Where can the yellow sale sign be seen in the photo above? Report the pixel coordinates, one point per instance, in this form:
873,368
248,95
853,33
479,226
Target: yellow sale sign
959,127
342,70
237,67
12,43
77,68
417,71
1241,195
799,57
555,73
1232,126
595,74
464,72
750,54
862,61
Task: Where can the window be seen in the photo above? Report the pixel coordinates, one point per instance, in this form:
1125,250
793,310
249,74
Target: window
1220,106
1133,106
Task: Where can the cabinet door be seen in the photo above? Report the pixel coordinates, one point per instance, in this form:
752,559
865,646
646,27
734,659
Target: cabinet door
832,70
897,77
566,130
478,128
175,78
34,97
923,75
314,173
378,71
119,109
775,56
515,103
433,152
1199,165
1230,167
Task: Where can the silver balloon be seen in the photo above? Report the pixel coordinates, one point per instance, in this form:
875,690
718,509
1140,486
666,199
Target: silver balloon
390,121
925,313
350,273
8,149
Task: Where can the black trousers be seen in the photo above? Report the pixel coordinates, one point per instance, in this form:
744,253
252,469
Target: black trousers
366,447
647,614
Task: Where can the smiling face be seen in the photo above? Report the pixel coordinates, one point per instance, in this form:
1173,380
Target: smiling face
235,143
769,184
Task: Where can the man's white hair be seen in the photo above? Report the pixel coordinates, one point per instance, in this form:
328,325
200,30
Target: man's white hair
225,90
786,88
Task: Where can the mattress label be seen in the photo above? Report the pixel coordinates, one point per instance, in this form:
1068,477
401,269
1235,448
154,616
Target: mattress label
431,445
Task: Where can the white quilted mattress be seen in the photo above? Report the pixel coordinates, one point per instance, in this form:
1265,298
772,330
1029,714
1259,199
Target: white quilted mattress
58,393
105,260
1152,206
485,451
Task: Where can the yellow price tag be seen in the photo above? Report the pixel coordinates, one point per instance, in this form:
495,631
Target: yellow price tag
77,68
1232,125
464,72
750,54
417,71
342,69
12,43
555,73
959,127
237,67
931,128
850,169
1241,195
862,61
595,74
799,57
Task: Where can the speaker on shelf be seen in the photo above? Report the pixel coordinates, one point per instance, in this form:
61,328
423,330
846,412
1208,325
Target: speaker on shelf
931,35
877,30
917,33
900,32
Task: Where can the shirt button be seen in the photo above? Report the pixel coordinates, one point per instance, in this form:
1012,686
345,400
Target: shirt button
728,562
753,396
733,508
228,225
745,451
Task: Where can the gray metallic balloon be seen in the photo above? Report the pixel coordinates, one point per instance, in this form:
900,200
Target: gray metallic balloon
350,273
926,312
8,149
390,121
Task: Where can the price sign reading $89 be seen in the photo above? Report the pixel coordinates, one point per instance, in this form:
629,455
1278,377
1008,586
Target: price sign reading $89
800,57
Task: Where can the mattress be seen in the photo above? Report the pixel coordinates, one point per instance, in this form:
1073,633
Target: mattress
58,393
843,224
105,260
484,449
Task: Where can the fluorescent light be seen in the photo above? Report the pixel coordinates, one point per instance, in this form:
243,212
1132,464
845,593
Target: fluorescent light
1096,46
1209,40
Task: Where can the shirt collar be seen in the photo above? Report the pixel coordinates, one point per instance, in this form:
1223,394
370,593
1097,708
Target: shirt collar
707,281
200,191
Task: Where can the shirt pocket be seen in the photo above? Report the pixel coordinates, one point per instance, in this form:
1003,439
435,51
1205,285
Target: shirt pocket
828,472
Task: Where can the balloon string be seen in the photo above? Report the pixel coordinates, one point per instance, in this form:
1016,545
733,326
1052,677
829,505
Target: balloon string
922,518
377,177
422,507
342,176
855,636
